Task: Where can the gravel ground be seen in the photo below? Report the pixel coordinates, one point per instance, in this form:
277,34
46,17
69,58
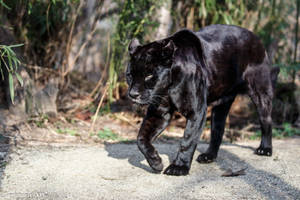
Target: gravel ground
119,171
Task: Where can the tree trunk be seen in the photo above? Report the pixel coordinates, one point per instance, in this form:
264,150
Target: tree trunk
164,20
296,76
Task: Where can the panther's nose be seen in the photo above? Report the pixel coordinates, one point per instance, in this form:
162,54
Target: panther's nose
134,94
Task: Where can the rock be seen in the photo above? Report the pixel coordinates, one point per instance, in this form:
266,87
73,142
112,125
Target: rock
2,155
43,101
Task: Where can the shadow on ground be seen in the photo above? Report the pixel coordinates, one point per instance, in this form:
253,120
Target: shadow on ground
9,131
134,157
5,146
264,182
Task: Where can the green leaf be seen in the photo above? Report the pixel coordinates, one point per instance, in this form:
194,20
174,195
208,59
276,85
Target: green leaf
2,75
226,19
4,51
10,62
20,79
11,87
15,45
15,63
4,5
107,134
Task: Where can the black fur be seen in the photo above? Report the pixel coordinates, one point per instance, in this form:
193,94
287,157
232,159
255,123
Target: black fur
190,70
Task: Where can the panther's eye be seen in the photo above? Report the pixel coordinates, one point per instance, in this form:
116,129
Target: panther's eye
147,78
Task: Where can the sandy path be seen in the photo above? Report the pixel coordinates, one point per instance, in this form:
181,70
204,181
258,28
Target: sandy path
118,171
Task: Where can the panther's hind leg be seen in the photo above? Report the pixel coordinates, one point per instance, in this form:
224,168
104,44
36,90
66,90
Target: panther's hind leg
261,93
218,120
156,120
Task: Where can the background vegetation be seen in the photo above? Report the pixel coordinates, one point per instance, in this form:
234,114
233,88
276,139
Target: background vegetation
83,44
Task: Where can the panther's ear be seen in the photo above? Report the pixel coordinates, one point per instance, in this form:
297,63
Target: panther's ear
168,50
133,46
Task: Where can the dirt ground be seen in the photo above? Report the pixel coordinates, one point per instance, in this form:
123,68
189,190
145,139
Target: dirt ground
61,159
119,171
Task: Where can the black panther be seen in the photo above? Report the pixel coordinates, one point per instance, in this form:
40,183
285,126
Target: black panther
188,71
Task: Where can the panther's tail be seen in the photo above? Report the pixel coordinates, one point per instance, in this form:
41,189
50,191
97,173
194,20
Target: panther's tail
274,74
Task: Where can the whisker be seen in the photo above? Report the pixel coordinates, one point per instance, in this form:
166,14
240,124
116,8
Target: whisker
158,99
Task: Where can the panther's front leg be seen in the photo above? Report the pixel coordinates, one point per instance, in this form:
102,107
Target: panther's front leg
156,120
182,163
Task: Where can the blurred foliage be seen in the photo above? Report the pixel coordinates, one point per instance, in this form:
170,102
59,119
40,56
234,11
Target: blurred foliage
221,12
135,20
287,69
274,29
9,63
40,121
267,18
107,134
38,23
45,27
4,5
68,131
286,131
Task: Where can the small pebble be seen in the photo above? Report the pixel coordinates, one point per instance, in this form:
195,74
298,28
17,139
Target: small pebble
25,162
2,155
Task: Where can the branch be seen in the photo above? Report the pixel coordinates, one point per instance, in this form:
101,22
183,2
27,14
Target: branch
108,13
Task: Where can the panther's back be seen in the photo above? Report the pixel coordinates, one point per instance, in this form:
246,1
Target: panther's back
235,40
228,51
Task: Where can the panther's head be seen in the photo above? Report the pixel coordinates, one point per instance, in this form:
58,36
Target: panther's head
148,71
155,67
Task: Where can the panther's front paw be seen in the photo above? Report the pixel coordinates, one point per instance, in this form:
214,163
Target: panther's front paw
206,158
175,170
155,163
261,151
